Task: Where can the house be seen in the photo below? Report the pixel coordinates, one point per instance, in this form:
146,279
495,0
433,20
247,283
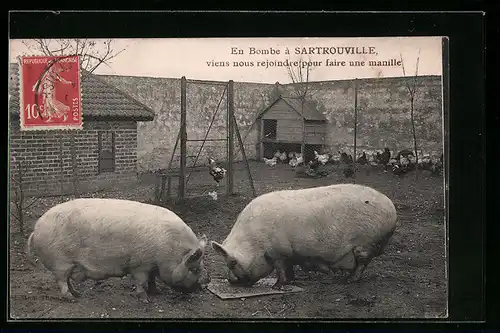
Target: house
283,125
101,155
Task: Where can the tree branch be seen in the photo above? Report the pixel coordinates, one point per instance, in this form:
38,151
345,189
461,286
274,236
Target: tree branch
404,76
34,200
15,216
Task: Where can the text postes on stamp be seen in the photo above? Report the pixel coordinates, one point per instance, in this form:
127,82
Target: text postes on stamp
50,93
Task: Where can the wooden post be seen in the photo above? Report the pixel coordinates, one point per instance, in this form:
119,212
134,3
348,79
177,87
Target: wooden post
230,139
355,121
259,148
303,144
247,166
183,135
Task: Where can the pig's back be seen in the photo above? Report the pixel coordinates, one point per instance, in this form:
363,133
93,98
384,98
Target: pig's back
338,213
112,221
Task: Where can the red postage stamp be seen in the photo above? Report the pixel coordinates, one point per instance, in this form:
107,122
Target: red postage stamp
50,93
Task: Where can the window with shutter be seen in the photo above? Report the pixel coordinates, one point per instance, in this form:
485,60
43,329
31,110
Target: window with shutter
106,144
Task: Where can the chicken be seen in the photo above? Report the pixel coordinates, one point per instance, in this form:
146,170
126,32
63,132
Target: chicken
293,162
392,162
373,159
291,155
270,161
277,155
403,165
300,159
385,156
323,158
213,195
398,170
436,165
363,160
412,159
314,164
344,158
425,162
335,159
217,172
403,161
283,157
404,153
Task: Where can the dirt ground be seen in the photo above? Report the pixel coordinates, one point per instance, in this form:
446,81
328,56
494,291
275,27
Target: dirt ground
407,281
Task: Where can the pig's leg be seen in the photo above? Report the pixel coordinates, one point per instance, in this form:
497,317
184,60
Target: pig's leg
62,275
141,279
281,271
289,272
73,291
280,265
77,275
362,257
152,283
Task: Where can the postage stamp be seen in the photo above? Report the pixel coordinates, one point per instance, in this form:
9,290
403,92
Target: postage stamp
50,93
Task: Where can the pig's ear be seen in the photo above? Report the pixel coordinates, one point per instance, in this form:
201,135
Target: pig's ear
193,257
203,241
219,249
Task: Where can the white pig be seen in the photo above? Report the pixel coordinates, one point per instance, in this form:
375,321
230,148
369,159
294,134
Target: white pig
336,226
101,238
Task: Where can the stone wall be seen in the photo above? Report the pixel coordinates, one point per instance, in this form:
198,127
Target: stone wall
383,115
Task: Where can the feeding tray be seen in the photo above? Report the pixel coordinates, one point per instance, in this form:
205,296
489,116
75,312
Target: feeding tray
224,290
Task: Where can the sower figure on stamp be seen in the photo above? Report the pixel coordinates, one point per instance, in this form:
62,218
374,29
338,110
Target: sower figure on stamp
50,105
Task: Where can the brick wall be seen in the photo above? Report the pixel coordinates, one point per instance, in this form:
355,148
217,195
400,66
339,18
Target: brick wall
60,162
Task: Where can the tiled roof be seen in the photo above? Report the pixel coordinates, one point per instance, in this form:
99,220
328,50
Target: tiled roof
100,100
308,113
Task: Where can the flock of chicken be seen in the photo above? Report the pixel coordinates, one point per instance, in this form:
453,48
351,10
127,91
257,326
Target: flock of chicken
401,163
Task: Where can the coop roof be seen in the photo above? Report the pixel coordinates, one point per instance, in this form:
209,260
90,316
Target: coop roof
309,112
100,100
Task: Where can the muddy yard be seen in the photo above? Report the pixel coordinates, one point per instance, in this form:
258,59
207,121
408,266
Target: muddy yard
407,281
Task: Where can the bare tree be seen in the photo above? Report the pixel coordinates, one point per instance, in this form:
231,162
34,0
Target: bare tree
300,76
412,87
19,199
92,53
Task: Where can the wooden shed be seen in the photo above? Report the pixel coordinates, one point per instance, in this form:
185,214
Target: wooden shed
283,124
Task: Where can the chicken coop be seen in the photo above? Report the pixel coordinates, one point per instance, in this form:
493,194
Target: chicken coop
286,124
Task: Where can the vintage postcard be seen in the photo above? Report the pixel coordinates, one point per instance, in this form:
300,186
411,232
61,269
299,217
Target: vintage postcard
171,178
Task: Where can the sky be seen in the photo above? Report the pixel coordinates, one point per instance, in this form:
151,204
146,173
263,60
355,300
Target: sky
193,57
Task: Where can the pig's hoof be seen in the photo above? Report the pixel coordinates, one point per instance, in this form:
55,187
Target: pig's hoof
143,297
68,297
